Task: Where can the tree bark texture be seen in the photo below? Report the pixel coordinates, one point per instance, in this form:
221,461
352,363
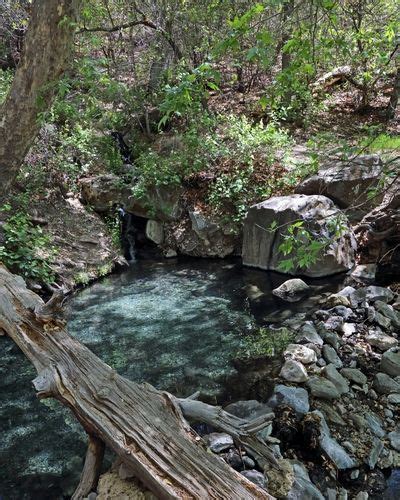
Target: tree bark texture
145,427
46,54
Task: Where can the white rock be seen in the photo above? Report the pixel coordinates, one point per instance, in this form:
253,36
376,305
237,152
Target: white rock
300,353
293,371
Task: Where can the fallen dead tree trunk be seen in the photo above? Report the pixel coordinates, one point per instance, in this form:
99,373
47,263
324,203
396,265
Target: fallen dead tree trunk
143,426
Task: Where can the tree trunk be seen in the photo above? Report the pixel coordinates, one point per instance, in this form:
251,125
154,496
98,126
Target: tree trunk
394,97
143,426
47,49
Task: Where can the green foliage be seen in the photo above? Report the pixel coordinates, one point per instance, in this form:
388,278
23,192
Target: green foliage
265,342
26,249
188,95
383,142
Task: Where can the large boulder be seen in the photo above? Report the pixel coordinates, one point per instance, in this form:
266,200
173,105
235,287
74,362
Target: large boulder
159,202
261,244
348,183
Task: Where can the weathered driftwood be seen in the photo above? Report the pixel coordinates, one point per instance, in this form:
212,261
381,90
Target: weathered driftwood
145,427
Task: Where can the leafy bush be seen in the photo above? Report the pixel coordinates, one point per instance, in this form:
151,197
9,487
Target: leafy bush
5,83
26,247
265,342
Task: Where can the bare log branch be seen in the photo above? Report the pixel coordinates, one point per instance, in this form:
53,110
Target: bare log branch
91,469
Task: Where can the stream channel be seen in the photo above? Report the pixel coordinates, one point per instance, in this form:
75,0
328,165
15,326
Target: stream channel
177,324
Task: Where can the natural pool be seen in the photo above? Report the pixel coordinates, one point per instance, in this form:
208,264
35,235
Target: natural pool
175,324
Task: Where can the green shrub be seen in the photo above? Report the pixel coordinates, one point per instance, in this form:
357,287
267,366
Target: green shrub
265,342
26,249
6,77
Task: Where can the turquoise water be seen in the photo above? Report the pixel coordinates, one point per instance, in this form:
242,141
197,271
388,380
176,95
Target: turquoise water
174,324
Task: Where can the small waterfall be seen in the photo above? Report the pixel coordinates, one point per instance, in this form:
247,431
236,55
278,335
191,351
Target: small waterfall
128,235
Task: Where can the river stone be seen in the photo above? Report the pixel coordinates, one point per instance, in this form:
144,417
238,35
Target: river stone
394,438
295,397
155,231
218,441
300,353
302,487
381,340
375,424
322,388
364,272
373,293
344,181
331,356
377,447
248,409
332,448
261,244
390,363
255,477
383,384
354,375
292,290
394,399
308,335
388,311
341,384
378,318
293,371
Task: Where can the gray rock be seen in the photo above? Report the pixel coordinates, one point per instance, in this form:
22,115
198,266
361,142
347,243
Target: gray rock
292,290
92,496
354,375
394,399
261,245
155,231
378,318
302,487
375,424
330,337
309,335
295,397
341,384
248,462
381,340
364,273
394,438
331,356
332,448
125,472
322,388
248,409
300,353
362,495
334,324
388,311
218,441
373,457
390,363
346,180
384,384
293,371
255,477
374,293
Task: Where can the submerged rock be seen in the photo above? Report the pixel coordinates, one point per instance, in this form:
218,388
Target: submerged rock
261,244
292,290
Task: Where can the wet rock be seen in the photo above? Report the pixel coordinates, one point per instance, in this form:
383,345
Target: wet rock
375,424
377,447
300,353
394,399
248,409
218,441
255,477
332,448
331,356
292,290
322,388
390,363
341,384
354,375
381,340
309,335
295,397
261,246
383,384
394,438
293,371
302,487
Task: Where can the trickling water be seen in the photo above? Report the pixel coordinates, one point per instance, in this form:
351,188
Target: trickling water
174,324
